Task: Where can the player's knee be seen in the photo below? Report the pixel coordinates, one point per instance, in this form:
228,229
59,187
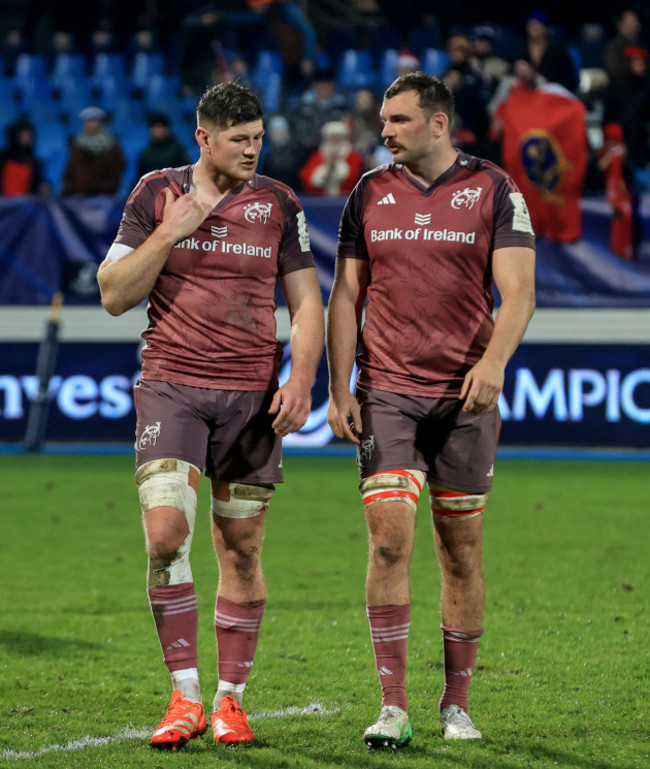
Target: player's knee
168,483
455,505
240,500
388,554
245,559
392,486
164,537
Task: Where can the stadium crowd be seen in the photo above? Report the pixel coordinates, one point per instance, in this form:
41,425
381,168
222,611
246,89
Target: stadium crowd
320,69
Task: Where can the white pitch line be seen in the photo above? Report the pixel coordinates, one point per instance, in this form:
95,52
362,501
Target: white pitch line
127,735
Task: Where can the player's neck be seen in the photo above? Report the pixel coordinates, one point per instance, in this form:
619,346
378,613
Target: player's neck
213,186
428,169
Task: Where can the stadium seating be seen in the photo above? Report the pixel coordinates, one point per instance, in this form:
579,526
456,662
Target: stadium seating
387,69
435,61
111,64
50,137
30,66
109,90
266,77
163,92
69,65
53,91
267,64
8,96
54,166
356,70
145,65
133,137
33,90
46,111
74,94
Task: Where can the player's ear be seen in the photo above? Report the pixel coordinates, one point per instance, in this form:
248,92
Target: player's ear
439,123
203,137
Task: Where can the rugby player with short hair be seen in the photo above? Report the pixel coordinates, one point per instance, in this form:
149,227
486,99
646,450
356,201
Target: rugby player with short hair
206,243
421,241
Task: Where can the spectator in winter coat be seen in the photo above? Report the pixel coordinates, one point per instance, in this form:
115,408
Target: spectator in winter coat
96,161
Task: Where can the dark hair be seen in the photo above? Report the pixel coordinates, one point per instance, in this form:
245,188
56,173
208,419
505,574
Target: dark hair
434,95
158,118
229,104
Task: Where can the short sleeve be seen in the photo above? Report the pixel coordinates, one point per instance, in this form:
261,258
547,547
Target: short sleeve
351,241
295,246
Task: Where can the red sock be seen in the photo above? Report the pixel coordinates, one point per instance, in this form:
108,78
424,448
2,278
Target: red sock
237,626
460,650
176,615
389,630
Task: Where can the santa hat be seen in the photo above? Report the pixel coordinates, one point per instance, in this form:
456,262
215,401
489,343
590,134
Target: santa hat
407,59
634,52
612,132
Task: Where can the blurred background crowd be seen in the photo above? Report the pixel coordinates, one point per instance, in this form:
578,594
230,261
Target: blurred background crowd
94,95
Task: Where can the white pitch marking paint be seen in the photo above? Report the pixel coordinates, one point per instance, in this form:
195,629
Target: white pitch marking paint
128,735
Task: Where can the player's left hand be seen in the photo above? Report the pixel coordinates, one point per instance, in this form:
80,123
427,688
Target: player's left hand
482,386
292,404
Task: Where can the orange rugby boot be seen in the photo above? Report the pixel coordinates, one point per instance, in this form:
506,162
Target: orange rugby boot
230,723
183,721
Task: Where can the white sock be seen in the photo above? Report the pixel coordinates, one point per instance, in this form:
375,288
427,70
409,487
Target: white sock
225,688
187,681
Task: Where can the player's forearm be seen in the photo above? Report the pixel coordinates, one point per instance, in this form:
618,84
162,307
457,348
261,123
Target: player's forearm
510,325
126,282
342,340
307,340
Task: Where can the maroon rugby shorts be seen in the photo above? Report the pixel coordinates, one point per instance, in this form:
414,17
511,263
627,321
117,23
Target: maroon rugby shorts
405,432
227,432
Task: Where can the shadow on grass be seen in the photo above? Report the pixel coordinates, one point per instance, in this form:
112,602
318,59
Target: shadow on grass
436,755
34,645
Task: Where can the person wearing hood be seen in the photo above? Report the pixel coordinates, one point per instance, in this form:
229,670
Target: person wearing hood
164,150
96,161
21,172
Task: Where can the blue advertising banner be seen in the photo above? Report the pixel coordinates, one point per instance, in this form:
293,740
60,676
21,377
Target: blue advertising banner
555,395
52,244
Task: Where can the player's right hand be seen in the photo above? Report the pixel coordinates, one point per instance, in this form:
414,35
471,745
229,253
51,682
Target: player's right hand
185,214
344,416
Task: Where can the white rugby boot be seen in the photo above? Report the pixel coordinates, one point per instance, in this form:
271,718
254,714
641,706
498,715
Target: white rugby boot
457,725
392,730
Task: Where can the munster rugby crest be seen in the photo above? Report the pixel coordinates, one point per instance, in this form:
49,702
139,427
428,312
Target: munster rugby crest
544,163
466,198
258,212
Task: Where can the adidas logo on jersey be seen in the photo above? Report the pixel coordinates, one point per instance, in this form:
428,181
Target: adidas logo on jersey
387,200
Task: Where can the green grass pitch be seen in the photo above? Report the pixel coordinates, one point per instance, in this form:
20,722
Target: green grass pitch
563,667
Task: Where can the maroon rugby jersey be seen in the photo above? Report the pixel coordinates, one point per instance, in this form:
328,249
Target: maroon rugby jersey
211,311
429,313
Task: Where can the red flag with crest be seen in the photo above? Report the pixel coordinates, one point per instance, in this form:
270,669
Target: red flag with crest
544,149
